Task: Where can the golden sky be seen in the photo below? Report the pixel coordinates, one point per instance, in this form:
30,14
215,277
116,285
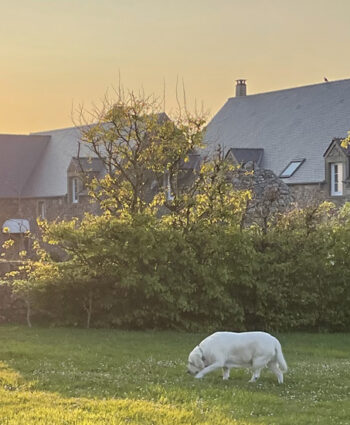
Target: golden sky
57,54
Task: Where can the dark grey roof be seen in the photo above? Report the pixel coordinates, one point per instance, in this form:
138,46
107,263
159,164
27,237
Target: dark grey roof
247,155
192,163
288,124
87,165
19,156
50,176
338,142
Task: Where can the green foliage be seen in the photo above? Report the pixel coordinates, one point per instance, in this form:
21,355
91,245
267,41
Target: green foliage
302,279
143,273
146,273
210,200
345,142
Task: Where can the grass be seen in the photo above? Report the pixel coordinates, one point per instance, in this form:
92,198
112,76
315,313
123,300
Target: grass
88,377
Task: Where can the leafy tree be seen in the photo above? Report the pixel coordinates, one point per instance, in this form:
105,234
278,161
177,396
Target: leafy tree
144,151
140,149
346,141
210,199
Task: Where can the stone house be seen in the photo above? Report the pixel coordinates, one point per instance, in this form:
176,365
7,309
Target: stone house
41,177
295,133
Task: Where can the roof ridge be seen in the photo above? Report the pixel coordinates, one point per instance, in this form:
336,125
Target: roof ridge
24,135
48,132
290,88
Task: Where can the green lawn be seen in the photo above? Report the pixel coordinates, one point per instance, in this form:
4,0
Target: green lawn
74,376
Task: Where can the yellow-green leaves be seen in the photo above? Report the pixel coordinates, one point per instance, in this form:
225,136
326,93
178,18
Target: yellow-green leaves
138,145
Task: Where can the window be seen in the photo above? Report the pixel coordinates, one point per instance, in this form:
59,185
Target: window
42,209
336,179
291,168
75,190
168,194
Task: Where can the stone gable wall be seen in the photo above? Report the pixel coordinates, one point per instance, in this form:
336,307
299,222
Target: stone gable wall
270,195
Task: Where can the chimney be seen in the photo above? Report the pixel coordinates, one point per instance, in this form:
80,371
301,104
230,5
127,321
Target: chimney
241,88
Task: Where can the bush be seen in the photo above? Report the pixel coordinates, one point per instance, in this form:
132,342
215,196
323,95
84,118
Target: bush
141,273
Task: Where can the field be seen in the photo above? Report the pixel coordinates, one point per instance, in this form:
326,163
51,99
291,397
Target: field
95,377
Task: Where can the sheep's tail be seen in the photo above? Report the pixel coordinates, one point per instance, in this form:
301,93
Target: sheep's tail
280,358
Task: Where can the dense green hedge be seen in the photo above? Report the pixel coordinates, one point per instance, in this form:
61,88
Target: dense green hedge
140,274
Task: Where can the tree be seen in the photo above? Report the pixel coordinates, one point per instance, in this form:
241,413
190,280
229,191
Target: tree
140,147
345,142
210,199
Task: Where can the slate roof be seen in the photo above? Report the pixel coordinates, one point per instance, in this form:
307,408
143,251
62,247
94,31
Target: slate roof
50,176
19,156
36,165
338,142
88,165
297,123
193,162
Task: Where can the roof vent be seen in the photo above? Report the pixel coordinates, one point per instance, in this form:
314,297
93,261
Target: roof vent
241,88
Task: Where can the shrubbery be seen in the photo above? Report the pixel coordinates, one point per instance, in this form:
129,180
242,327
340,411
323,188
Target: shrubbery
141,273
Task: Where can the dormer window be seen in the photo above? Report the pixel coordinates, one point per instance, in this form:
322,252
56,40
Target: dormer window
291,168
336,179
75,190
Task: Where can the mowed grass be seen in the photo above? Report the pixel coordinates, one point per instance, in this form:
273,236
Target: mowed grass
74,376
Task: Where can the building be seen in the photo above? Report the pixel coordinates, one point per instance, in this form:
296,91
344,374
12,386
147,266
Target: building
39,177
294,132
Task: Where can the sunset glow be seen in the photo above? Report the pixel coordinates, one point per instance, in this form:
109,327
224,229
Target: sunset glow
56,54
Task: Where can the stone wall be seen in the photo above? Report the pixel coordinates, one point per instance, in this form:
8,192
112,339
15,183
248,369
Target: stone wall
55,208
270,194
310,194
306,194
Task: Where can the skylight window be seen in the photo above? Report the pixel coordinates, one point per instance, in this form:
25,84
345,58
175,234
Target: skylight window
291,168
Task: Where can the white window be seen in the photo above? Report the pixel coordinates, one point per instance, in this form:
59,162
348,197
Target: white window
291,168
42,209
337,179
75,190
168,194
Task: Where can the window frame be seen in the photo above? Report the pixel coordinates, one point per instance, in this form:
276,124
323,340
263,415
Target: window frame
336,178
42,209
75,190
167,185
298,161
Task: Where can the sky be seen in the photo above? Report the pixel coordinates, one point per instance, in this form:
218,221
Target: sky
59,54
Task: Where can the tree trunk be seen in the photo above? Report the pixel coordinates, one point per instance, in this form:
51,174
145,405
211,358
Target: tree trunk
29,323
88,309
